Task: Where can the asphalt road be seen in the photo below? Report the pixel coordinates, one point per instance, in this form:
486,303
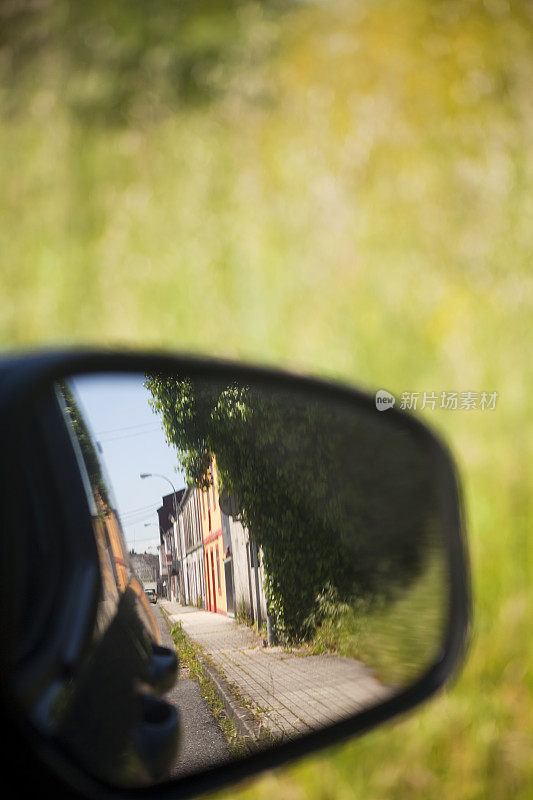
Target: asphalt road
202,742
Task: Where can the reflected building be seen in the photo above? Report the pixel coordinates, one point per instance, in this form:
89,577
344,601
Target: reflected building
171,547
191,534
213,543
244,572
207,559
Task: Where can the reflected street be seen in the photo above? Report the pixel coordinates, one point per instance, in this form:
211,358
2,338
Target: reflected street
202,743
300,575
276,693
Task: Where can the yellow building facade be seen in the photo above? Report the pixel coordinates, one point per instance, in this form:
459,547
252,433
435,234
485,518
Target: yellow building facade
213,544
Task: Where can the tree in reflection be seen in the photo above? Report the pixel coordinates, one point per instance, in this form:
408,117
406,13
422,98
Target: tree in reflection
337,497
86,444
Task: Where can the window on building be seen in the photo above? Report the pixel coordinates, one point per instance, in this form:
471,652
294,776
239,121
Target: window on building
218,572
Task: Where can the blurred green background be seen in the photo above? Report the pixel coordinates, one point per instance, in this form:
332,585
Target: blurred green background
342,188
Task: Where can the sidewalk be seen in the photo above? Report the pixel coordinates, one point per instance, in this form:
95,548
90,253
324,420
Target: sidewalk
202,743
291,692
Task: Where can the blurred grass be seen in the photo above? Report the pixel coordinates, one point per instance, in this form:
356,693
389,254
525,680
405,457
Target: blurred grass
397,640
348,193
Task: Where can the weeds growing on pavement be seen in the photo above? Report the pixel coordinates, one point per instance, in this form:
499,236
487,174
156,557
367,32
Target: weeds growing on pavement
190,655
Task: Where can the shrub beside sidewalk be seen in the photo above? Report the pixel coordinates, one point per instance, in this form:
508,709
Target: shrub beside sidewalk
397,641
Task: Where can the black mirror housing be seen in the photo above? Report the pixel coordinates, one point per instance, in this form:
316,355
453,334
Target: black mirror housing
25,385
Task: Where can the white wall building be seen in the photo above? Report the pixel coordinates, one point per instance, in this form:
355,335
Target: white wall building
192,548
247,575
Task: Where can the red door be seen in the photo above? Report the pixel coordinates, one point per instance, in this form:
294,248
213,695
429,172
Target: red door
208,582
213,579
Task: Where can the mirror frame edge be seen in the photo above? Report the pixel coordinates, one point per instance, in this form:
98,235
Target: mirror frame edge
21,375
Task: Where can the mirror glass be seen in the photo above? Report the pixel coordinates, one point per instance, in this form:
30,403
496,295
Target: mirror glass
288,545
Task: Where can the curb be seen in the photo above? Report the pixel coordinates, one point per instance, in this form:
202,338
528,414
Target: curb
244,722
247,727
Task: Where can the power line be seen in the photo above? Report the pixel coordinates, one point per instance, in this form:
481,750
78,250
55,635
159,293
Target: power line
140,514
148,514
140,508
124,428
131,524
129,435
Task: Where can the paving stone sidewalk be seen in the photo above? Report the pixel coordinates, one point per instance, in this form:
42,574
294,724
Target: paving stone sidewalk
291,692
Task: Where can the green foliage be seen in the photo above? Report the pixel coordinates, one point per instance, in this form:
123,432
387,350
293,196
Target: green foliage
129,62
86,443
396,640
243,615
332,494
327,613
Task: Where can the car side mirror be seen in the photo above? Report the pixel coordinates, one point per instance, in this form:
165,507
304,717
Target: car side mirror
306,548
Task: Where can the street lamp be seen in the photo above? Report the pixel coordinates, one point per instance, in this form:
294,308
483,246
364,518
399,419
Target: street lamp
164,477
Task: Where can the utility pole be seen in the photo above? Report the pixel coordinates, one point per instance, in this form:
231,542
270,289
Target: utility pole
255,560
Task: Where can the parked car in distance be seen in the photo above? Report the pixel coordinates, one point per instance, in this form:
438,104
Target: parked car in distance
151,595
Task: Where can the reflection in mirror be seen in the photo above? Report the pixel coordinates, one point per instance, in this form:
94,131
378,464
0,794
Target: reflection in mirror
288,546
